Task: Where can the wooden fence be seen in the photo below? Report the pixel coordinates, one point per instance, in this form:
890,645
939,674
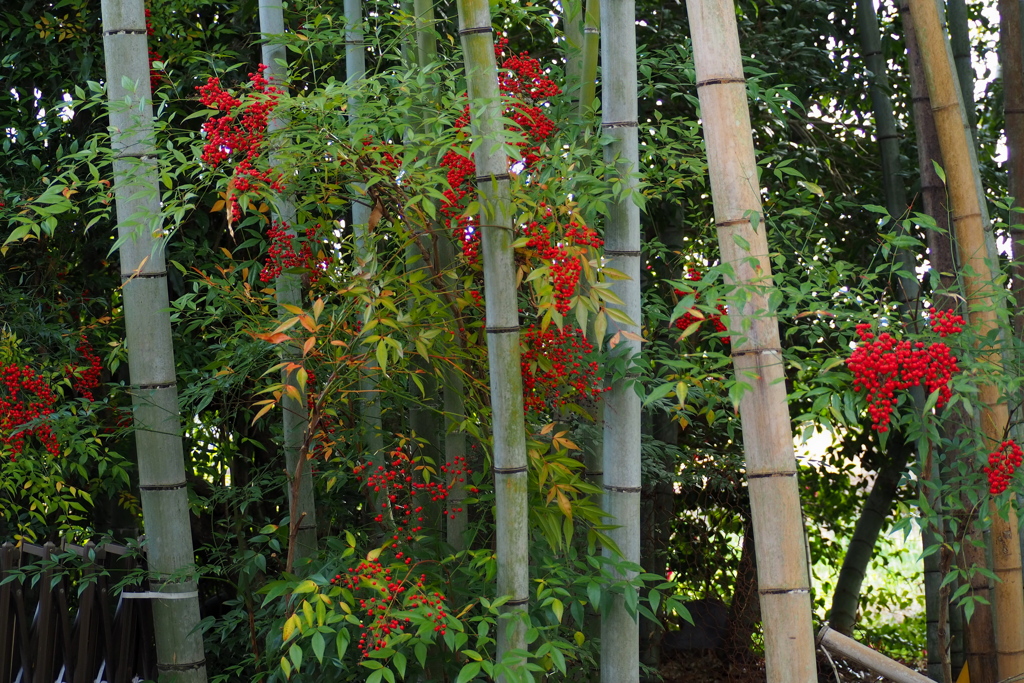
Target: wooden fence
60,621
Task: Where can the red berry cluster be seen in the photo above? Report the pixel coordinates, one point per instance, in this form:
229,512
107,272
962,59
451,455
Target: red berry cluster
565,254
947,323
886,365
401,490
1002,463
239,135
555,368
380,594
24,397
523,84
86,377
688,318
281,254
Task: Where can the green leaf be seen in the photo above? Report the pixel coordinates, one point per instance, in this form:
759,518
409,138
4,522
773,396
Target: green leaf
469,672
318,645
400,663
341,642
659,392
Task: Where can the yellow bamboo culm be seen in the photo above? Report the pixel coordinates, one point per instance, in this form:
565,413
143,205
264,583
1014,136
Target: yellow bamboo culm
970,223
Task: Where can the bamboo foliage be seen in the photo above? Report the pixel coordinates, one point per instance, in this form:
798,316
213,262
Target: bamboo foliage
301,500
783,580
970,224
503,353
162,486
620,634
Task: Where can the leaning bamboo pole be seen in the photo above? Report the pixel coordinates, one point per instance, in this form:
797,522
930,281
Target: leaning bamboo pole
783,579
288,292
501,309
162,487
970,225
620,633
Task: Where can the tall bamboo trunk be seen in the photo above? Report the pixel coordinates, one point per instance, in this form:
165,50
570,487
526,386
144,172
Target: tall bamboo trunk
365,254
162,487
1012,57
572,22
960,43
591,46
301,503
872,518
501,308
783,579
944,622
970,224
620,634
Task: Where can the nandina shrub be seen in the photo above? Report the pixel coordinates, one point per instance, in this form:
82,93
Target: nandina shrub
1002,463
693,319
884,366
558,368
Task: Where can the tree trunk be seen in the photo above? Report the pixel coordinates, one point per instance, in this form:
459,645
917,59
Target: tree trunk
162,487
970,224
301,503
506,381
872,518
620,635
783,579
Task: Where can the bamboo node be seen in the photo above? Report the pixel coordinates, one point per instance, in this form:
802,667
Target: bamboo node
766,475
191,666
736,221
782,591
502,330
155,385
757,352
720,81
619,124
517,602
622,489
617,252
508,470
162,487
475,29
498,177
142,276
125,32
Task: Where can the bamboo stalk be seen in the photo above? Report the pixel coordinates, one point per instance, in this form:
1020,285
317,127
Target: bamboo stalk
960,43
620,633
783,580
591,44
503,353
970,224
572,22
365,254
288,292
870,659
162,486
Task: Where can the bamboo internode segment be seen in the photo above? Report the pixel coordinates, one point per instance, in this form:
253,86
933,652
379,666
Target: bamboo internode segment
620,631
870,659
149,342
288,292
767,438
503,353
970,225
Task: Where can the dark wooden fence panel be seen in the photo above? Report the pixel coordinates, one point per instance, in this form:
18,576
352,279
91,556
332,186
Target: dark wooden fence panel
60,621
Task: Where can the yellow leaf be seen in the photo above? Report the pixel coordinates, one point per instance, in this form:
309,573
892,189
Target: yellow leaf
290,626
373,554
306,586
564,505
579,638
217,206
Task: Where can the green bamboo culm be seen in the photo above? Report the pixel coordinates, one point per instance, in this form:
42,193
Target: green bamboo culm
288,292
960,42
572,46
162,488
783,578
591,45
365,253
506,382
620,631
453,386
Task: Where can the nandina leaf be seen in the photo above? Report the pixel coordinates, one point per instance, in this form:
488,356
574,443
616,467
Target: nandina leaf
308,346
